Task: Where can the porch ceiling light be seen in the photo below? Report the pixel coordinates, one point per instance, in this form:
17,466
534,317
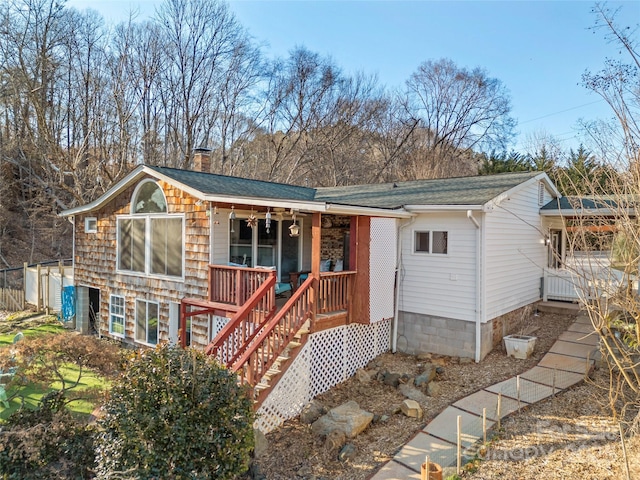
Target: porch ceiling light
232,214
294,229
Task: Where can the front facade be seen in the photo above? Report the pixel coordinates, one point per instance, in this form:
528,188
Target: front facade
201,260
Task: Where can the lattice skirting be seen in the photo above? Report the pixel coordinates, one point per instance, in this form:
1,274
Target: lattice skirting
327,359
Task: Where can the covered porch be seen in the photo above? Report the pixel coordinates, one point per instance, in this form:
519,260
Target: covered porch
590,252
264,309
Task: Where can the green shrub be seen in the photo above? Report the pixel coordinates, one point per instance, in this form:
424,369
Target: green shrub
46,443
175,414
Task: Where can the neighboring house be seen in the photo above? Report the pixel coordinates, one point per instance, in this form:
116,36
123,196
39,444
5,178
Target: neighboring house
200,259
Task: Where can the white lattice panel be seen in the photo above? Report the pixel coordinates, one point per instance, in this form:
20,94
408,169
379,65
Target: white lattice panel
327,359
382,267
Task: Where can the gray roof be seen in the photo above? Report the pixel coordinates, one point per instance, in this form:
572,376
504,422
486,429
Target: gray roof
214,184
444,191
462,191
591,203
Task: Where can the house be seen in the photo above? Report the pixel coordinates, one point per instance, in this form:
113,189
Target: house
199,259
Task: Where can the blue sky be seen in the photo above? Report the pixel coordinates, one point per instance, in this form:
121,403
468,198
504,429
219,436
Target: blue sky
538,49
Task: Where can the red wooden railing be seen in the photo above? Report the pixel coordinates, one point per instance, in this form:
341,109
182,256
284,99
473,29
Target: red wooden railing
276,334
246,323
234,285
335,291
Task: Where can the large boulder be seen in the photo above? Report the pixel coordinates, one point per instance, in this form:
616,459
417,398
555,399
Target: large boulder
348,418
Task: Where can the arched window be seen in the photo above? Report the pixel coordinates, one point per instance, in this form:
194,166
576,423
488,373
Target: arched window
150,241
148,198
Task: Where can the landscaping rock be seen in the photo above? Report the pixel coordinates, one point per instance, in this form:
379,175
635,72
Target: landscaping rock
347,453
411,408
433,389
363,376
348,418
334,441
305,471
261,445
412,393
391,379
439,370
428,374
422,357
466,360
312,412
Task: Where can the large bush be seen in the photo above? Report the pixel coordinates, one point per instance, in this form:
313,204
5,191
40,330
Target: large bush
47,442
175,414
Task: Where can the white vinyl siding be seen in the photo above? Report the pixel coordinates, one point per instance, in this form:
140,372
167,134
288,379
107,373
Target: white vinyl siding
515,253
220,235
440,285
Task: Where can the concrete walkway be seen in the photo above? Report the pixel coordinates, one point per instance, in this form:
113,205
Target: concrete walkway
564,365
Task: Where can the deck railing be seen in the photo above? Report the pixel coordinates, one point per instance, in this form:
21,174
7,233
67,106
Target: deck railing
335,291
246,323
275,335
235,285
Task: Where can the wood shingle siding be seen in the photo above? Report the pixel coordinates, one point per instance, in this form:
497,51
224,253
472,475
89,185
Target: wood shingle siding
96,260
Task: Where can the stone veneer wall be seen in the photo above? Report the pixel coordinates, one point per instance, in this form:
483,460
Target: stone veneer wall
332,243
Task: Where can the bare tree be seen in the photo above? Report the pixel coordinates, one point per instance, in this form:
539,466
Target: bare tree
611,292
202,37
460,111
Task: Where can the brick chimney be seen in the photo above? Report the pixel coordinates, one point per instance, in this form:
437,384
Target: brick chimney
202,160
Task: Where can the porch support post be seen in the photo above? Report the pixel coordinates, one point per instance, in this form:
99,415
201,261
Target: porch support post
315,262
359,261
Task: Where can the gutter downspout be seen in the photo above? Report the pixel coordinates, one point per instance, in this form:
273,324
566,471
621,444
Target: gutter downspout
478,280
396,307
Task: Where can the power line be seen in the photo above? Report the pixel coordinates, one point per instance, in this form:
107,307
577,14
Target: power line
561,111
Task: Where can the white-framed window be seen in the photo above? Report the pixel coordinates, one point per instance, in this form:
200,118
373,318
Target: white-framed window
146,322
431,241
150,241
91,225
116,315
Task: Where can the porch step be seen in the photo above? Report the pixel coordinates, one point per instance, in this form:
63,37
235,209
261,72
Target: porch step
562,308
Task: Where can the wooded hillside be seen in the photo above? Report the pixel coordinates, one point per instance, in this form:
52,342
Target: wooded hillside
82,102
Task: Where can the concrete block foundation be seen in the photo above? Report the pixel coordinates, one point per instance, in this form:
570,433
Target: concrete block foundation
420,333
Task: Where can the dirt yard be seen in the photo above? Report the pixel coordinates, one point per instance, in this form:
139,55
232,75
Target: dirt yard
294,452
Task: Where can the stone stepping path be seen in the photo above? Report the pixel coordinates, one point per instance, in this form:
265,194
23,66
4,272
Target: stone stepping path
563,366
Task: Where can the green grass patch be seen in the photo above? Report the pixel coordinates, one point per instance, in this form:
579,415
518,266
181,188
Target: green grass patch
7,338
31,393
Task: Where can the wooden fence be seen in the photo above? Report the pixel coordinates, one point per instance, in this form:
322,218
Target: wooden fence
39,284
11,299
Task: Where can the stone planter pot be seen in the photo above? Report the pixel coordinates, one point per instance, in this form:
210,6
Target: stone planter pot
519,346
